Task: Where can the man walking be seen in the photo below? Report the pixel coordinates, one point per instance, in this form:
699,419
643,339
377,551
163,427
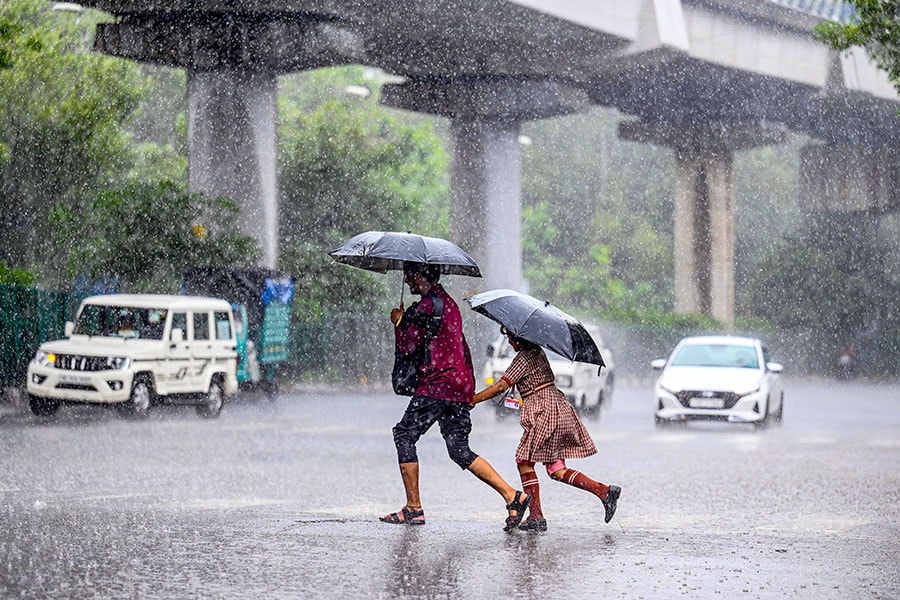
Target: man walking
445,387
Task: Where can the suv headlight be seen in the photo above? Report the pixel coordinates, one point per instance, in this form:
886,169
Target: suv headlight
45,359
118,362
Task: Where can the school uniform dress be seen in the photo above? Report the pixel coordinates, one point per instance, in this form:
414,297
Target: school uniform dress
552,430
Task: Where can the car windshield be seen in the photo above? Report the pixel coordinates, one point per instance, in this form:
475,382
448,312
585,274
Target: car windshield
716,355
121,321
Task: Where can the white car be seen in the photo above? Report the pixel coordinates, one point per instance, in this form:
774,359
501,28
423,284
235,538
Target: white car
585,390
134,350
725,378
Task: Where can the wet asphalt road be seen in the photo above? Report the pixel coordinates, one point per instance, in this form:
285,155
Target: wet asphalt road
280,500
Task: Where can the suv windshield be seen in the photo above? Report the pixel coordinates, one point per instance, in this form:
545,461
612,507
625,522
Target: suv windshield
716,355
121,321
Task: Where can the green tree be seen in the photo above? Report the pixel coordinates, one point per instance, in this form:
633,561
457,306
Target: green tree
348,165
146,235
61,127
596,218
876,27
833,276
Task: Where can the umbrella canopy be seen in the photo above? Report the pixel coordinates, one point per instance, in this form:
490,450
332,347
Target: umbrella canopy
539,322
383,251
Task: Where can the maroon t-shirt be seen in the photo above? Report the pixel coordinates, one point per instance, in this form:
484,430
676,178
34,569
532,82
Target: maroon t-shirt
449,374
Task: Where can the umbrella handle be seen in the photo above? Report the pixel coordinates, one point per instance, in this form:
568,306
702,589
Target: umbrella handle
401,291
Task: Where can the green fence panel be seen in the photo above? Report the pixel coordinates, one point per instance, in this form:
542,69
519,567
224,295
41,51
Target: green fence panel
29,317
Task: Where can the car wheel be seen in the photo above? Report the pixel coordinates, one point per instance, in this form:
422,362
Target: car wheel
43,407
764,422
138,404
779,416
271,389
663,423
594,410
608,389
215,399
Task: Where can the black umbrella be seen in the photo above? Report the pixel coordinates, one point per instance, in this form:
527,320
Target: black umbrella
539,322
383,251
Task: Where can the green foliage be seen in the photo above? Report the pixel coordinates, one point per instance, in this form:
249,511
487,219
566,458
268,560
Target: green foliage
348,165
876,28
8,31
597,224
833,276
61,127
146,235
15,276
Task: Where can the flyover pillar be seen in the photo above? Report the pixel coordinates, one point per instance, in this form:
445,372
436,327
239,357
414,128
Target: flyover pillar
232,145
486,203
232,58
704,207
485,114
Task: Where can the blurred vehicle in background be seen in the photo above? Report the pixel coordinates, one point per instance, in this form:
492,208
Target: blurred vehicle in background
585,390
725,378
261,301
133,351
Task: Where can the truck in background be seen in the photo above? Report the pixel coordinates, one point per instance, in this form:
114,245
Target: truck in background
261,301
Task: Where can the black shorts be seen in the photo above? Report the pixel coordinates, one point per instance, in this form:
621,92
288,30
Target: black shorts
452,418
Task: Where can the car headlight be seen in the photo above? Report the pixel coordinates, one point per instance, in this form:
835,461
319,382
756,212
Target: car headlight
669,388
746,390
564,381
45,359
118,362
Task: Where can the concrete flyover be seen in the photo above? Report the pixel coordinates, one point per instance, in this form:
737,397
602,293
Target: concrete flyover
707,78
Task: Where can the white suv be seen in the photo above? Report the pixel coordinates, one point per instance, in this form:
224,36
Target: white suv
584,388
134,350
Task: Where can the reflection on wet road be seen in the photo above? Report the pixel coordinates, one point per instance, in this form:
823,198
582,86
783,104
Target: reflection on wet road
280,500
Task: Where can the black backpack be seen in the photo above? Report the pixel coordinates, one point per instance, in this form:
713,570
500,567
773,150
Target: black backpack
405,376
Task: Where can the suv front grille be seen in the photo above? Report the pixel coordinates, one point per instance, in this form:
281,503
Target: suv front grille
729,398
74,362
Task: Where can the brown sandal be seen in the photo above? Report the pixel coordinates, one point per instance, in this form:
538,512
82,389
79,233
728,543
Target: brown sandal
406,516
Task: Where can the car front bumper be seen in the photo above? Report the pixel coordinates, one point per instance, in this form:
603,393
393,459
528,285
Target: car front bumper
748,409
98,387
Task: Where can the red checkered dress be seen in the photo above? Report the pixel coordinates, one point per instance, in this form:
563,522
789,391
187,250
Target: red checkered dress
552,429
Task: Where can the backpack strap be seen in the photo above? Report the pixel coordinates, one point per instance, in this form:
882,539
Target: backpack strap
434,322
430,323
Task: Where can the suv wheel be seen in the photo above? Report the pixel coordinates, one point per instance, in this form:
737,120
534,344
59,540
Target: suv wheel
43,407
215,399
138,404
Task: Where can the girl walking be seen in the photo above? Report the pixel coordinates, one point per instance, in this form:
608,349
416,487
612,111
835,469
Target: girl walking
552,431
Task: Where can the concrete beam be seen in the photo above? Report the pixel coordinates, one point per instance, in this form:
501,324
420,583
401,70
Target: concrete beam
497,98
209,41
722,136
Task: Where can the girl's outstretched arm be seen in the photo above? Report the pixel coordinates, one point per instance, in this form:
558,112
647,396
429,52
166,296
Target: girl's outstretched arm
489,392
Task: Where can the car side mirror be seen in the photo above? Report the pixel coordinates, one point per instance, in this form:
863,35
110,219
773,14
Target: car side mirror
70,329
774,367
490,350
177,335
658,364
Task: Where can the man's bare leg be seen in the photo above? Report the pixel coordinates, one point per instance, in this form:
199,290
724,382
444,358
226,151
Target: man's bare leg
483,470
411,513
410,474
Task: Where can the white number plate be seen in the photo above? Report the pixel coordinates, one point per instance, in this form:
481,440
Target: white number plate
707,403
80,379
